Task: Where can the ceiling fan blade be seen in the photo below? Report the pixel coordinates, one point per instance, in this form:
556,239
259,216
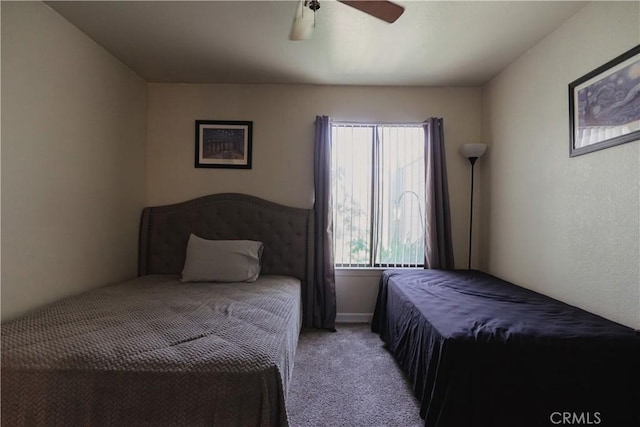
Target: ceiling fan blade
303,23
382,9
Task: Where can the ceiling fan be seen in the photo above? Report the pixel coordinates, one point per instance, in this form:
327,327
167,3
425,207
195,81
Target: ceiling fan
304,19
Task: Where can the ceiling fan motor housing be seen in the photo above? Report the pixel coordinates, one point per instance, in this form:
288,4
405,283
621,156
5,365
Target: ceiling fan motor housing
313,5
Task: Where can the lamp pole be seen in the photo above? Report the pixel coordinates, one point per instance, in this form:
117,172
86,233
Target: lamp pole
472,152
472,160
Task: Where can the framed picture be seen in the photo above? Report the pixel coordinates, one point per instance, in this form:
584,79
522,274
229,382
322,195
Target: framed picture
604,105
223,144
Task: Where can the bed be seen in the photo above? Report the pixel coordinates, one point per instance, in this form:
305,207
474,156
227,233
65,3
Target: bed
480,351
156,351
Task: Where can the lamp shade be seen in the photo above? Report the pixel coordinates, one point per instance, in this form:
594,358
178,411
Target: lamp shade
473,150
303,23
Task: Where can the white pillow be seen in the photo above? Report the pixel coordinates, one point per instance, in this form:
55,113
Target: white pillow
221,260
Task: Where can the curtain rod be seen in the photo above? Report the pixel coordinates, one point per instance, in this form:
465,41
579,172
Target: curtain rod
343,122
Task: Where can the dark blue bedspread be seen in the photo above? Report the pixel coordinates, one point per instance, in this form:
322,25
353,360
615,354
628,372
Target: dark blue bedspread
481,351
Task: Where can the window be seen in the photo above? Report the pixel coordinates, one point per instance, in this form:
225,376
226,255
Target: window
378,191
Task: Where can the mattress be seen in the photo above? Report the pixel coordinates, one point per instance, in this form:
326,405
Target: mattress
155,351
482,351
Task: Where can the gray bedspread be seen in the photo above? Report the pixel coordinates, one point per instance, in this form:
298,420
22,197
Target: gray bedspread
154,351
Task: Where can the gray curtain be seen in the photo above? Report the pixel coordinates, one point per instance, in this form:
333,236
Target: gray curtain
323,297
438,247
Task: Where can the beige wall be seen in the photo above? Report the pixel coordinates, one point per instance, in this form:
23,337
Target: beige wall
73,160
283,117
70,203
566,227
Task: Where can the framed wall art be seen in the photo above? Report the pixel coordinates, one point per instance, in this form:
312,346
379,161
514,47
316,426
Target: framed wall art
604,105
223,144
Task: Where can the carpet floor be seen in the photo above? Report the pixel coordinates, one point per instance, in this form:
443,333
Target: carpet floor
348,378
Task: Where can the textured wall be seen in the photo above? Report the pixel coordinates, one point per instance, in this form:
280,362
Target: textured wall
73,137
566,227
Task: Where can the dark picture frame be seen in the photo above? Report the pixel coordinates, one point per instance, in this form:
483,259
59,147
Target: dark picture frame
604,105
223,144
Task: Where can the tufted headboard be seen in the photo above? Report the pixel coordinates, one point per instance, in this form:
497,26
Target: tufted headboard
285,231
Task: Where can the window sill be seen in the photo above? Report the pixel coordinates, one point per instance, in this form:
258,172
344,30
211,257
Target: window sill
358,271
367,271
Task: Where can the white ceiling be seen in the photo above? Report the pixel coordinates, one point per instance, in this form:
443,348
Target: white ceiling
434,43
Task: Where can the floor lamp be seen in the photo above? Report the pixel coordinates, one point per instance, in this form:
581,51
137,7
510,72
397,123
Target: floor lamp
472,152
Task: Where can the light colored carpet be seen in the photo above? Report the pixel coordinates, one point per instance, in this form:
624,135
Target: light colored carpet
347,378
